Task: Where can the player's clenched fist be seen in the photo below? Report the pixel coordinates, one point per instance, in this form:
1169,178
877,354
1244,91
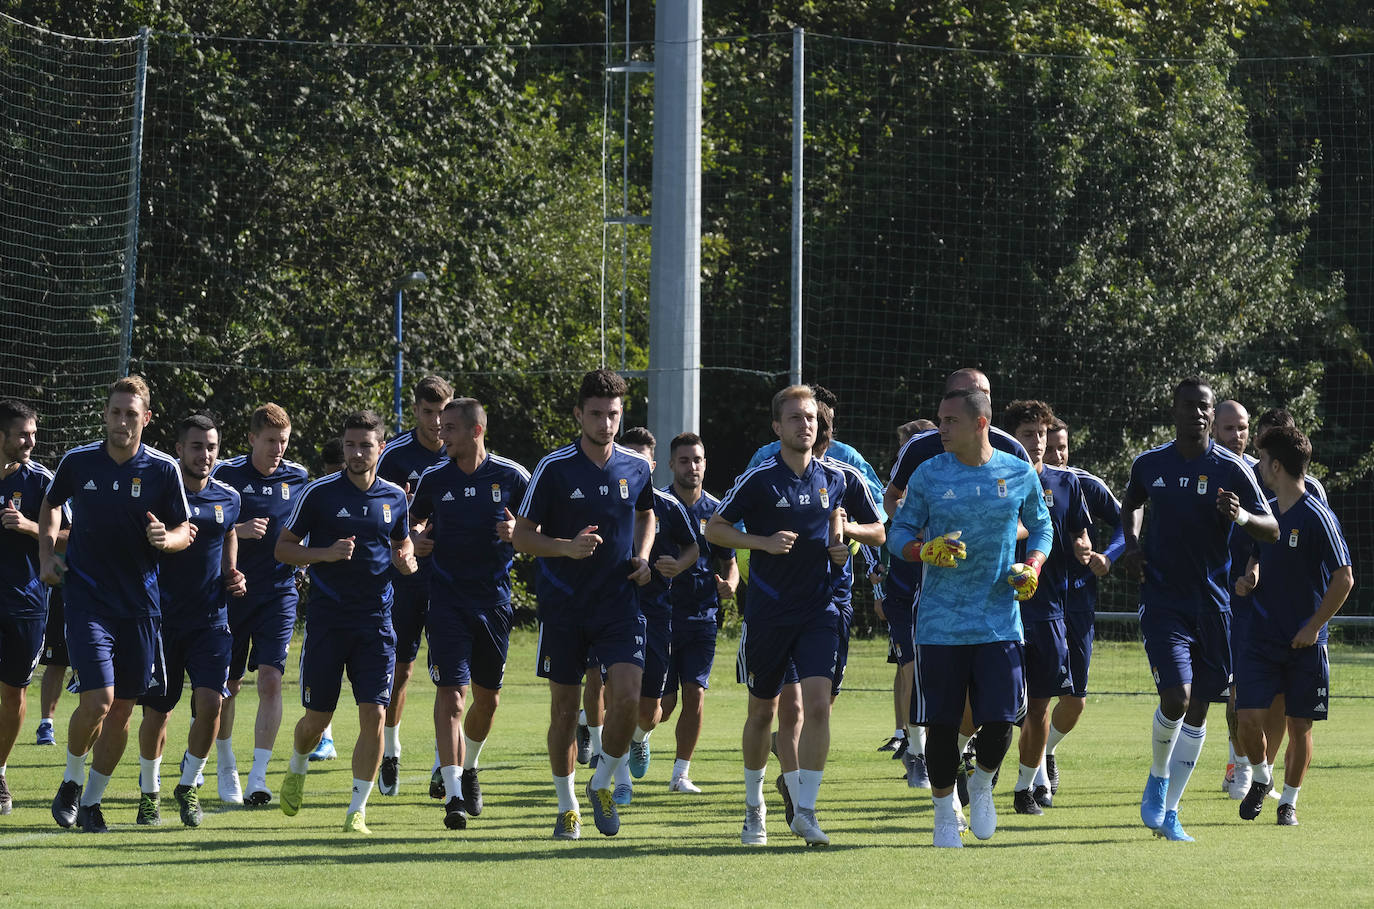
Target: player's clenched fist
944,549
585,543
781,542
341,551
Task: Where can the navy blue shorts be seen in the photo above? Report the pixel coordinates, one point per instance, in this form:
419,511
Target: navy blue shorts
901,640
990,676
693,655
1302,675
1081,631
1047,659
55,635
21,643
262,629
200,653
1188,650
570,642
367,654
123,654
658,657
409,606
468,644
767,650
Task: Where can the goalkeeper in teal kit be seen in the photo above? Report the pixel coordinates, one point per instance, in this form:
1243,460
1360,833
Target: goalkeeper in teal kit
966,504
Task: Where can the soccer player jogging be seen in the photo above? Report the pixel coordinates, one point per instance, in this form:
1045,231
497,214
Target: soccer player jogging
358,528
1043,618
791,506
406,457
195,625
1197,492
1304,579
263,620
966,503
23,596
588,518
696,595
128,508
461,519
1081,605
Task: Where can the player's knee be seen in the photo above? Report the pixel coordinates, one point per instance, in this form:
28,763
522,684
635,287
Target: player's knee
992,743
1173,702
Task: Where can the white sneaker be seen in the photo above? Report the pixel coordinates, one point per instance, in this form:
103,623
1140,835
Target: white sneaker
1274,793
230,792
804,825
947,834
982,813
683,784
1240,781
755,832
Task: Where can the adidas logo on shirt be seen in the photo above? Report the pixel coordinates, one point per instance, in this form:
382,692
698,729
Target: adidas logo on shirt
90,484
949,494
414,475
343,513
577,494
448,497
782,502
248,488
1159,481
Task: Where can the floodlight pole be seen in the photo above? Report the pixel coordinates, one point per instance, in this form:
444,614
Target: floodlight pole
406,282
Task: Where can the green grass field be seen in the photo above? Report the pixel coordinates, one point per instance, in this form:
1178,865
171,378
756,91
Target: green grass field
677,850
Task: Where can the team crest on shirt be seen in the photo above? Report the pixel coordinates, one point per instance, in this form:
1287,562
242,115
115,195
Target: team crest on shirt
17,500
285,491
1293,539
1202,484
496,493
624,489
825,497
1049,498
703,526
136,487
1001,488
219,514
386,512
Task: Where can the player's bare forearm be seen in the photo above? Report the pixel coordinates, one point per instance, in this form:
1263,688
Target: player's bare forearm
1337,590
874,534
403,556
644,534
290,551
229,557
1262,527
891,496
179,537
722,533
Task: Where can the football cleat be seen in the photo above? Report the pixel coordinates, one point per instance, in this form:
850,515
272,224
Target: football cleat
1043,797
472,792
390,775
188,805
900,752
639,759
354,823
6,800
292,793
1253,803
45,734
755,832
604,815
683,784
1171,829
916,775
325,750
1052,771
804,825
623,794
91,819
149,813
258,794
1023,800
230,792
948,834
787,809
65,803
1228,777
1241,778
436,785
584,749
568,826
982,812
892,744
455,814
1288,815
1152,801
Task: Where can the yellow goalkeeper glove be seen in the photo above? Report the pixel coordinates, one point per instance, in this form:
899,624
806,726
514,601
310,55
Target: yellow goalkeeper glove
943,550
1024,579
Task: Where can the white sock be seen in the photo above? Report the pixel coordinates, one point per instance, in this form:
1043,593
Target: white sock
300,763
606,769
361,790
328,735
792,780
1053,741
437,764
946,807
391,741
260,758
981,779
1182,762
472,749
581,717
1263,773
191,765
1163,735
1242,760
899,733
639,735
622,774
224,753
753,786
453,781
917,734
596,738
76,768
1290,795
1042,777
567,798
45,721
808,788
1025,776
680,768
963,742
150,775
95,788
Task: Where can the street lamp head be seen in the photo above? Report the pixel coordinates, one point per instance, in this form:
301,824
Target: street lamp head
412,280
